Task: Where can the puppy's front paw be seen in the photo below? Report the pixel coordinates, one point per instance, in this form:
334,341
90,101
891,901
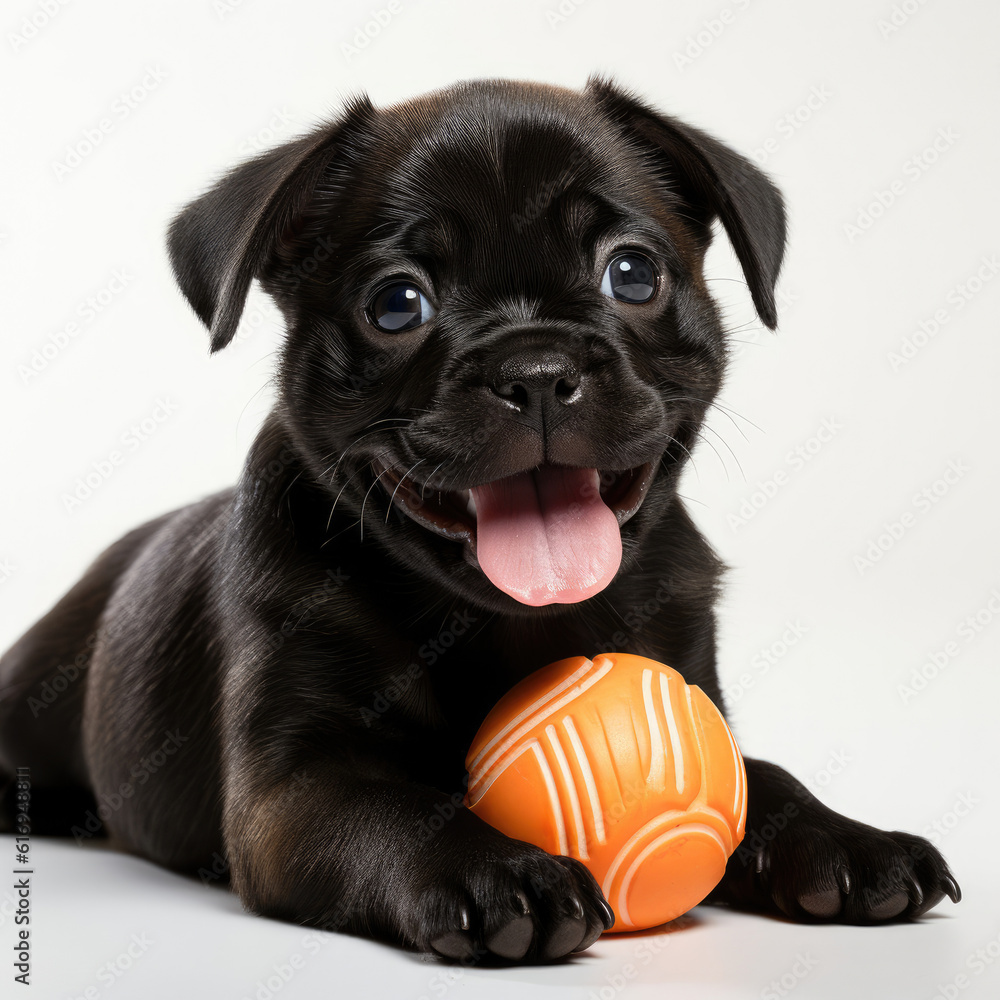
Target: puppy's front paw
521,905
838,870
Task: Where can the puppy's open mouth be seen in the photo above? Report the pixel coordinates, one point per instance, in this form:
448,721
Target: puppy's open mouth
545,536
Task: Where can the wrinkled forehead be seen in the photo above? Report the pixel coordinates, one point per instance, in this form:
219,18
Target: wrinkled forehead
495,169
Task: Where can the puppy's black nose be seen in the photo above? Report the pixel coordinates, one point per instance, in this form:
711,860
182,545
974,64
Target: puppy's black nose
536,380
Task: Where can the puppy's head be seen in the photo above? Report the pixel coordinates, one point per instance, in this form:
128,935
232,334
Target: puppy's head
500,345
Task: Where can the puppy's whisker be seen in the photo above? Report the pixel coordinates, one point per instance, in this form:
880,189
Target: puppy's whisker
750,324
285,491
724,410
335,465
727,410
365,500
688,218
400,483
298,475
405,421
728,448
604,600
356,472
243,412
718,453
429,478
688,499
332,538
739,281
694,465
733,413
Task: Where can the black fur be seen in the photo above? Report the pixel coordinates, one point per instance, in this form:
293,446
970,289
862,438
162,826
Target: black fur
265,673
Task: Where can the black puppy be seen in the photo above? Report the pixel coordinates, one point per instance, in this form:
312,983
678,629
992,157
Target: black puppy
500,350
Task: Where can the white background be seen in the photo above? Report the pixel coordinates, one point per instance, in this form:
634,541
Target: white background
228,77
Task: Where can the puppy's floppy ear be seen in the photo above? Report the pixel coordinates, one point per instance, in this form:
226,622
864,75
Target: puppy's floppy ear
221,241
714,181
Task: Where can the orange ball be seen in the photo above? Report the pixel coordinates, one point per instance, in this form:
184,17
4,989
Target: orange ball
621,764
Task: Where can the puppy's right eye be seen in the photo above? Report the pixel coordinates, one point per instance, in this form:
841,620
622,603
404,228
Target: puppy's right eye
400,306
630,277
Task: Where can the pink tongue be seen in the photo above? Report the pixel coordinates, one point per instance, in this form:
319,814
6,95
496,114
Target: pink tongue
547,537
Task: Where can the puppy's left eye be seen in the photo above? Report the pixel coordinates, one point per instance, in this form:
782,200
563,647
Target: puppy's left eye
400,306
630,277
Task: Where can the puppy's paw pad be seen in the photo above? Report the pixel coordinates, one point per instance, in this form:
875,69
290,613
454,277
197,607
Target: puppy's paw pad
453,944
451,937
568,931
824,903
512,936
888,908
